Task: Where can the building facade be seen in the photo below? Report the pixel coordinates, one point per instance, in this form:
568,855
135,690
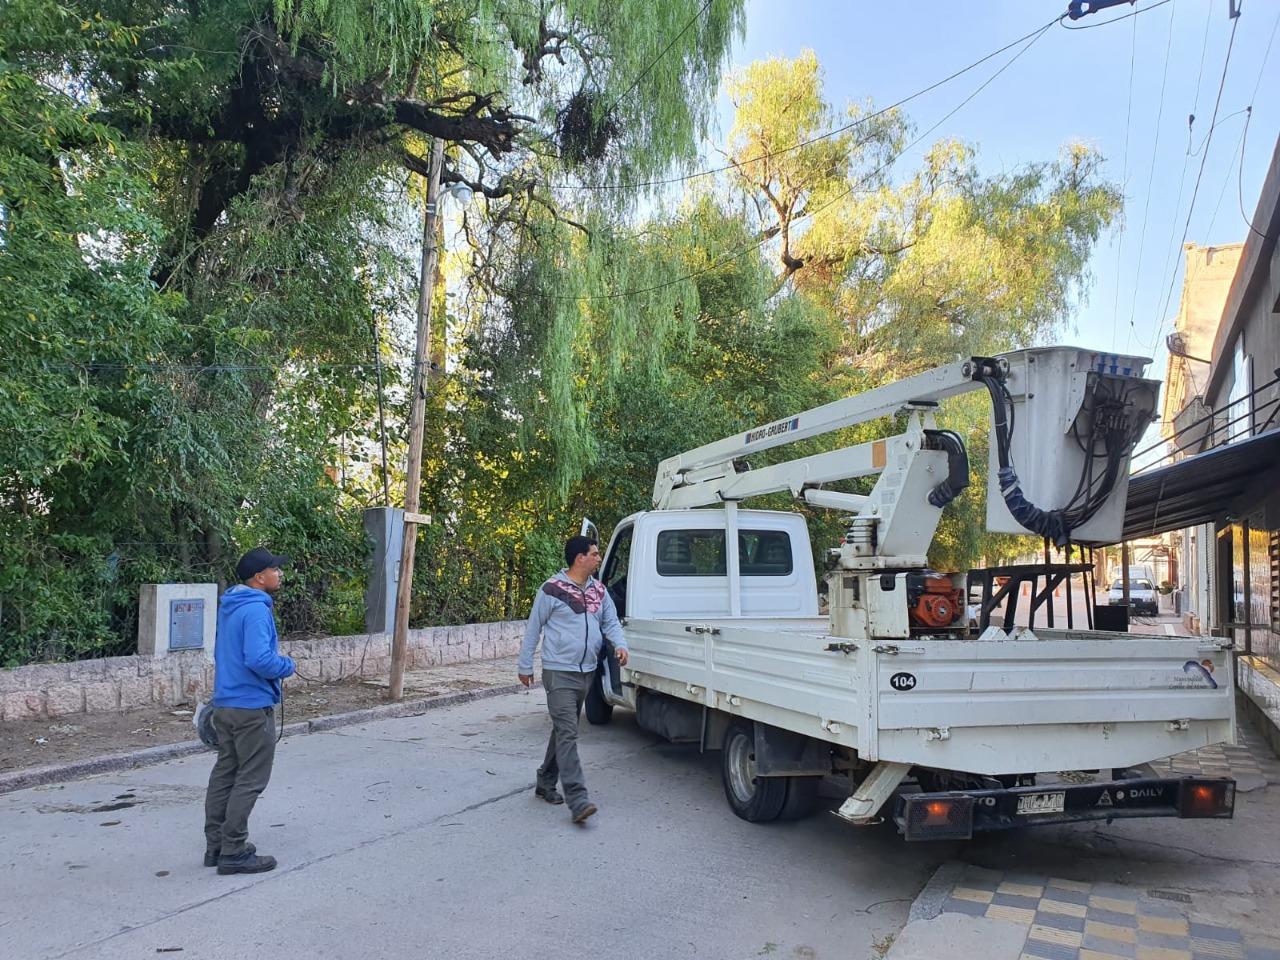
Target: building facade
1223,391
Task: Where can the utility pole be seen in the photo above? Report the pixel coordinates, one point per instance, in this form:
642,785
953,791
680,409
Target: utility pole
417,417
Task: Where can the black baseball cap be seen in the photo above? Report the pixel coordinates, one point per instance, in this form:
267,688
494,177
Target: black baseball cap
257,560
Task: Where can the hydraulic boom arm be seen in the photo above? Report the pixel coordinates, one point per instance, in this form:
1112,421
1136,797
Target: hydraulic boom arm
1077,415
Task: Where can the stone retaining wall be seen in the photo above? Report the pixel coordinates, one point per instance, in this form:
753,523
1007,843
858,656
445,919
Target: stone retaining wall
56,690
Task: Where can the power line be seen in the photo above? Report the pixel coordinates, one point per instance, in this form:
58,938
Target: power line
658,59
1204,49
1182,177
1107,23
711,171
1151,174
1226,182
1124,179
1222,82
1245,136
1265,57
1244,139
1205,141
725,261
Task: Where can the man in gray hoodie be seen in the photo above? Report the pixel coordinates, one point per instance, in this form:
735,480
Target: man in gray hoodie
573,614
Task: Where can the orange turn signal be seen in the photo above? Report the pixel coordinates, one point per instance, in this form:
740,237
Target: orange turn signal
1207,798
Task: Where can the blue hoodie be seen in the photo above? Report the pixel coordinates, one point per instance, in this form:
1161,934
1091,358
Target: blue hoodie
248,667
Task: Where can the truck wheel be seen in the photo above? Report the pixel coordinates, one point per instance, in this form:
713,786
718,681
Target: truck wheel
756,799
802,797
599,710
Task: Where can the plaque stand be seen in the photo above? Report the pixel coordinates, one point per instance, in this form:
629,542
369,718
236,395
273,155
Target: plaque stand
173,617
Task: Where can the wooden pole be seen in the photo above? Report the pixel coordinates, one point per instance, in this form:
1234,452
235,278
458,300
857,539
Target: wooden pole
417,417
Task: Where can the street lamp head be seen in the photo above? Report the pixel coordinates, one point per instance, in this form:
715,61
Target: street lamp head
460,192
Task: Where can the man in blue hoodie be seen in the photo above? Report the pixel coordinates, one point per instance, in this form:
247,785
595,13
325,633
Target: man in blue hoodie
573,614
248,668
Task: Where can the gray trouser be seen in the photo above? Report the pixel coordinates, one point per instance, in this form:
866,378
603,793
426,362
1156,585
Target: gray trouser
246,749
565,692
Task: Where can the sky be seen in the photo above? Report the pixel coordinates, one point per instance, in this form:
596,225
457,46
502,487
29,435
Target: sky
1071,86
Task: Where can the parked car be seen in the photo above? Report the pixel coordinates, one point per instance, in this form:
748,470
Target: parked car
1143,598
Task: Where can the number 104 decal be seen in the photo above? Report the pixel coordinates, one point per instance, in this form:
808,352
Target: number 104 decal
903,681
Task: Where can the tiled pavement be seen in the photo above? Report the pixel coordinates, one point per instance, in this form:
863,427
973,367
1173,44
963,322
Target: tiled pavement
1069,920
1251,758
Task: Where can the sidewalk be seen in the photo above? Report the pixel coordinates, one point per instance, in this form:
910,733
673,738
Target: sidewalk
1206,890
1038,917
135,737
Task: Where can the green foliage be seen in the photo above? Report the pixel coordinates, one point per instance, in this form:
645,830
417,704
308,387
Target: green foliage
947,263
204,224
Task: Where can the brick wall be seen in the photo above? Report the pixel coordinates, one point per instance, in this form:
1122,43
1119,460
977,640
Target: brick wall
56,690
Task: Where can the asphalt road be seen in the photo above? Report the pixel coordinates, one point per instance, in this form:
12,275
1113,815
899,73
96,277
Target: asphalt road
421,837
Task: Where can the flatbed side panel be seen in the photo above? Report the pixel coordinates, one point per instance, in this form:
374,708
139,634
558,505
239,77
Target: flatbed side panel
1024,706
739,669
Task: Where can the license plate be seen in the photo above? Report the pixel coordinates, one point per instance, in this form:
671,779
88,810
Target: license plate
1042,803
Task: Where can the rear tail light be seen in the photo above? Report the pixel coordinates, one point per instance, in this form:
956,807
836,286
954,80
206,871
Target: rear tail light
1204,798
938,818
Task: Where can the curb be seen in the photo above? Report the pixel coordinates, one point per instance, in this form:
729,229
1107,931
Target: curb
148,756
930,933
930,901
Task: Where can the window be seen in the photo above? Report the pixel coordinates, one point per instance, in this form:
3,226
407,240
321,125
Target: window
764,553
691,553
1259,573
1240,403
616,566
1238,612
700,553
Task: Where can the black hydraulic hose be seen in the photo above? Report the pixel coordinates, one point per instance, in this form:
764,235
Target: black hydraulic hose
957,466
1047,523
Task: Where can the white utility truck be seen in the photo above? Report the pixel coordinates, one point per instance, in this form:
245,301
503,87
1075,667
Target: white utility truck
947,728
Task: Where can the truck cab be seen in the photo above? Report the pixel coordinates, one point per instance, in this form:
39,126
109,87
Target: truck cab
673,565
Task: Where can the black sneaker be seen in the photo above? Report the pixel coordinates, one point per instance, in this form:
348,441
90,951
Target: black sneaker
580,816
211,854
549,794
246,863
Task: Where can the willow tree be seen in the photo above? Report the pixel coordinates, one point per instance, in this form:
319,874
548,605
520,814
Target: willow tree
920,264
690,362
207,203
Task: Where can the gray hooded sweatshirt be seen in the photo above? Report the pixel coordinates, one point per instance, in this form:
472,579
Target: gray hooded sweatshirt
573,622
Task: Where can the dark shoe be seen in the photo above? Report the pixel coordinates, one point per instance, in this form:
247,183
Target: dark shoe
581,815
549,794
211,854
246,863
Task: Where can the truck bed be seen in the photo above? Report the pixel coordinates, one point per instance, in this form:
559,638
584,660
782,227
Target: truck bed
1032,702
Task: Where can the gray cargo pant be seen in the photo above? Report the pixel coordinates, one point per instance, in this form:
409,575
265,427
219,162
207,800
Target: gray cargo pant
246,749
565,692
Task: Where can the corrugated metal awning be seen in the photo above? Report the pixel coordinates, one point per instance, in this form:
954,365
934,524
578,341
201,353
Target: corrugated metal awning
1200,489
